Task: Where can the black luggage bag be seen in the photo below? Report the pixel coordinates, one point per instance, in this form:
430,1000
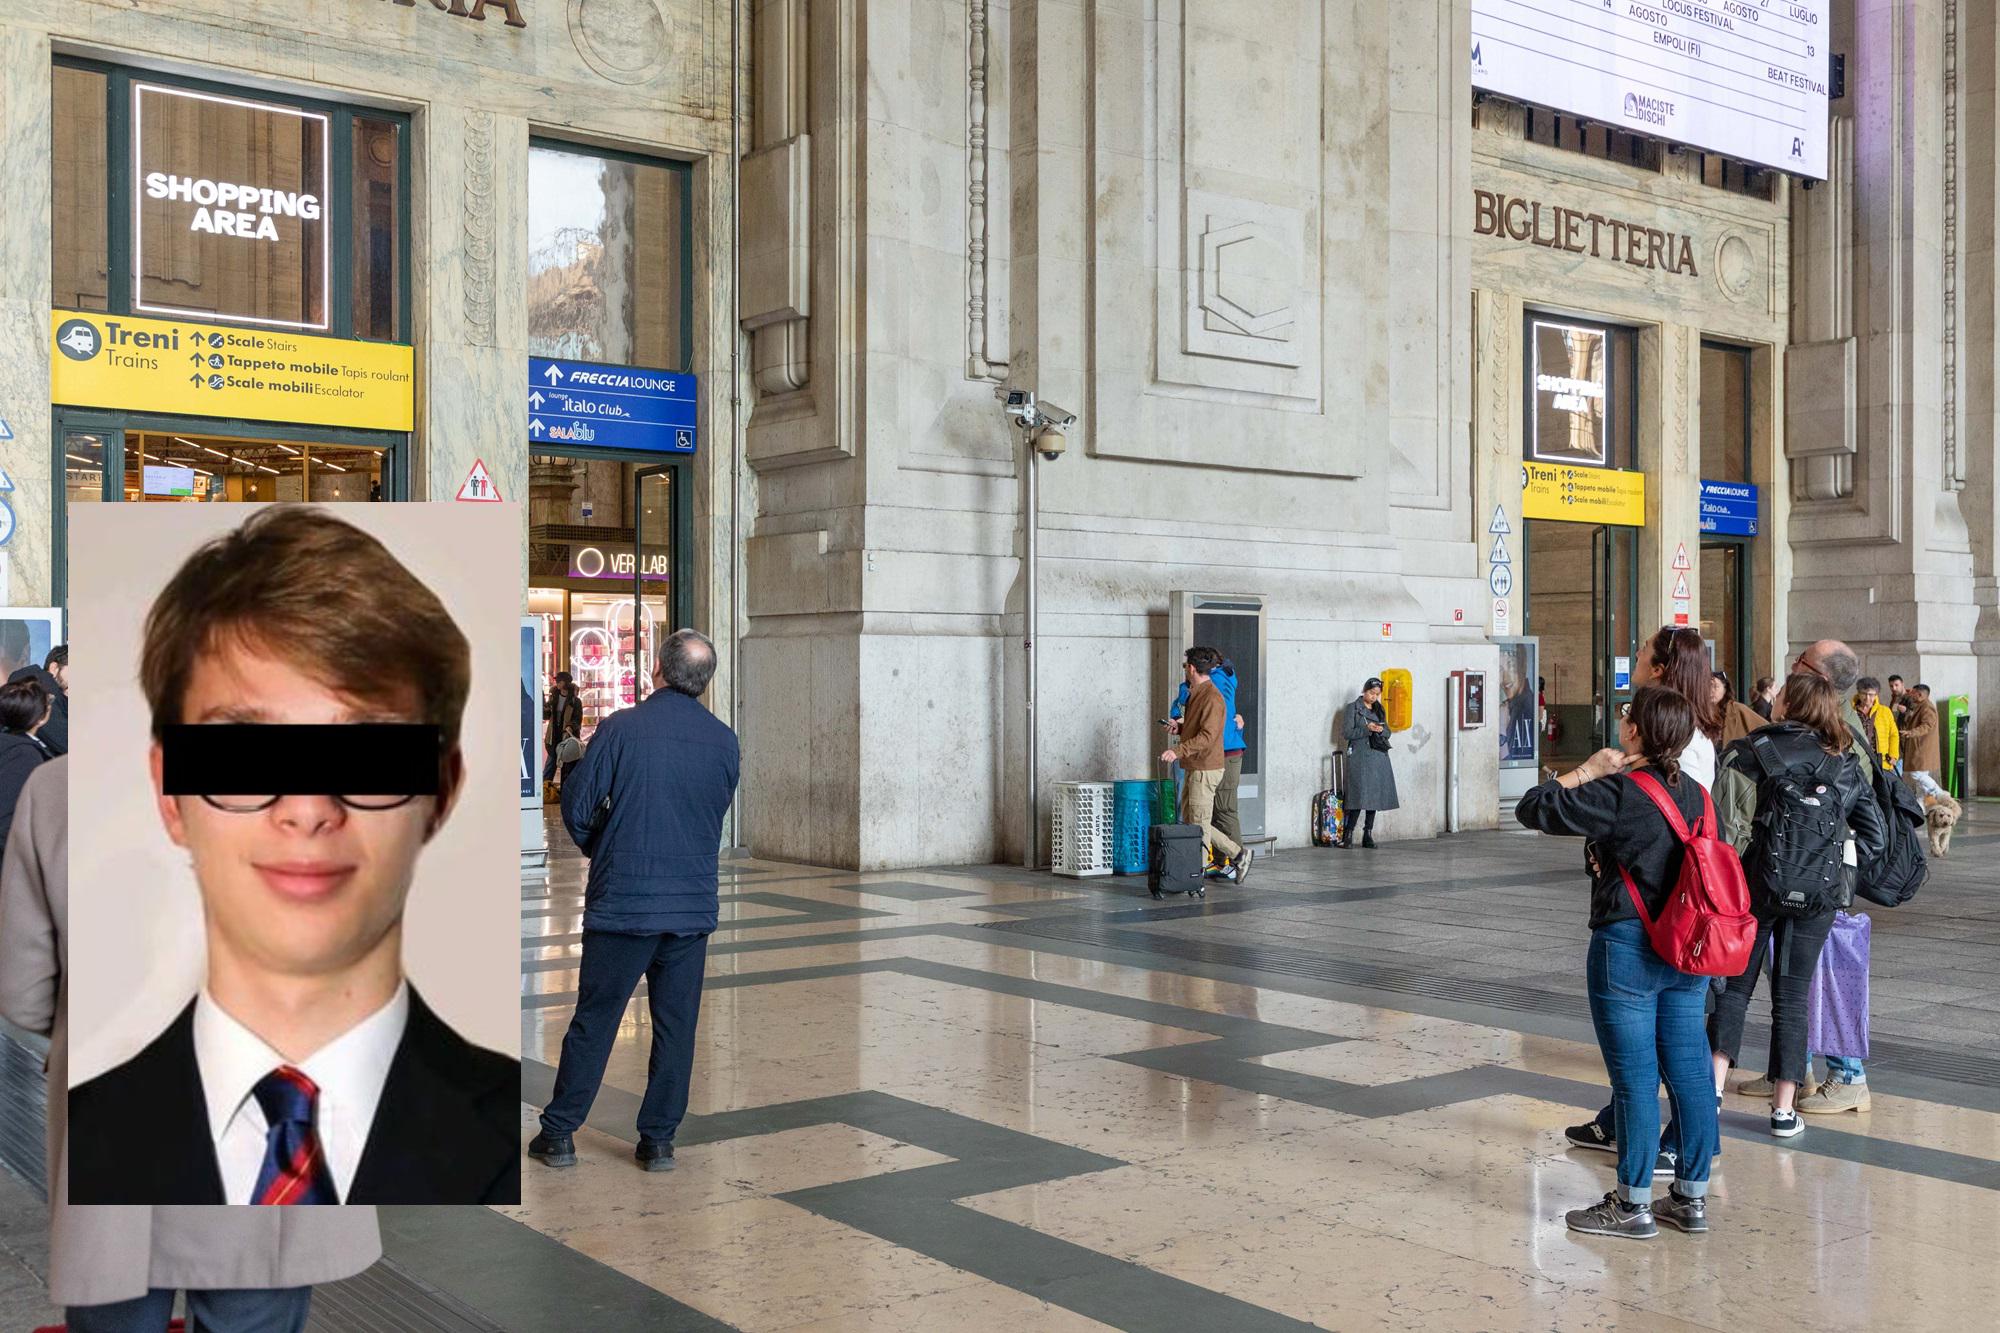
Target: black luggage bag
1174,860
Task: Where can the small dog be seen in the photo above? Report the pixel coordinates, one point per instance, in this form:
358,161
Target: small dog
1941,816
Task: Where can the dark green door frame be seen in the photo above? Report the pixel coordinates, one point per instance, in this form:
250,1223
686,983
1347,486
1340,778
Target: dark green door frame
111,426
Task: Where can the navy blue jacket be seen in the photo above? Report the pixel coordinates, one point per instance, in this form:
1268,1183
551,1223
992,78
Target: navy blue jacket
668,768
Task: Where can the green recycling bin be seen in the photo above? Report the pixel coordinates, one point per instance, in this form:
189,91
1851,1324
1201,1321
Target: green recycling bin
1954,726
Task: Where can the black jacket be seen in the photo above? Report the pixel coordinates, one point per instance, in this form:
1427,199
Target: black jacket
20,755
447,1130
1625,829
667,769
55,731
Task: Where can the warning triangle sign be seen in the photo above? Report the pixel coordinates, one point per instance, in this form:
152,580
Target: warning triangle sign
1681,560
1681,593
479,485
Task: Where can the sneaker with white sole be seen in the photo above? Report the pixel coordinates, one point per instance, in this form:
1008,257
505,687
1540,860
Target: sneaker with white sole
1689,1215
1756,1087
1591,1136
1786,1124
1833,1098
1612,1216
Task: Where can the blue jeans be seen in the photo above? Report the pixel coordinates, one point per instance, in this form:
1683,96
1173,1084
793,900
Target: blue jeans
606,977
1649,1023
1845,1069
249,1310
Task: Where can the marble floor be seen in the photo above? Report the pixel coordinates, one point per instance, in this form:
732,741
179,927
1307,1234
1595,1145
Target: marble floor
978,1098
981,1098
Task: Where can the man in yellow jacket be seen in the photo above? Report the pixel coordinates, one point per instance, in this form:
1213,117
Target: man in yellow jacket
1879,723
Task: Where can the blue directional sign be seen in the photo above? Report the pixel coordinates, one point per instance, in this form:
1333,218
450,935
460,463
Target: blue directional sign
1729,508
610,407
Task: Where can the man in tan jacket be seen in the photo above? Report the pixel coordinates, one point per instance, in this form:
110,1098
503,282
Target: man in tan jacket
1923,750
1200,753
116,1266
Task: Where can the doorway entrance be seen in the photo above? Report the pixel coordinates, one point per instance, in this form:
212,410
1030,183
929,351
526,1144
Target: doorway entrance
123,457
608,539
1582,604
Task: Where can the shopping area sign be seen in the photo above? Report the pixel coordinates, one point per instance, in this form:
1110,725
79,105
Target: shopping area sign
610,407
1583,494
207,370
1729,508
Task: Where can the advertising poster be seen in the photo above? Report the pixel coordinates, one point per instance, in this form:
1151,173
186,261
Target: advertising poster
26,635
534,836
1519,711
1569,394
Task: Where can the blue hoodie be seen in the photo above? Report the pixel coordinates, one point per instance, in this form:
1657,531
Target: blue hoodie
1224,679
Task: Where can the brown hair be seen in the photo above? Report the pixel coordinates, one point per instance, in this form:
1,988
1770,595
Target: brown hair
1664,719
1682,660
1813,703
324,596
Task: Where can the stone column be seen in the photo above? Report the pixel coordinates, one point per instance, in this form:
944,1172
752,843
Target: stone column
27,560
1670,454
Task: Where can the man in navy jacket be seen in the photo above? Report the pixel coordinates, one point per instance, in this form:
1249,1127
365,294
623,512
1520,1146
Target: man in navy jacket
646,805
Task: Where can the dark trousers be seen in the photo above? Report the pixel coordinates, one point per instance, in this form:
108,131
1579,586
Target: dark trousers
1648,1021
249,1310
1797,945
611,968
1347,818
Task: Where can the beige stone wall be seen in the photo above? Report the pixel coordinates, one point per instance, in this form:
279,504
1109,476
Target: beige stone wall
1569,251
651,76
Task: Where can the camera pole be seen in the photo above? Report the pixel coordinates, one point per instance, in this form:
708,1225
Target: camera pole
1030,611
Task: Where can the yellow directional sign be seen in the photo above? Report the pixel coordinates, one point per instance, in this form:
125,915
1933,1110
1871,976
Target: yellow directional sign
1583,494
211,370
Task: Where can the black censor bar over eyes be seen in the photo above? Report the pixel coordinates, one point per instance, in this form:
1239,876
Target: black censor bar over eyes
354,758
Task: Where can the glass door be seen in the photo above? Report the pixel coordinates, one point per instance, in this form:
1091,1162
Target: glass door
1725,608
655,577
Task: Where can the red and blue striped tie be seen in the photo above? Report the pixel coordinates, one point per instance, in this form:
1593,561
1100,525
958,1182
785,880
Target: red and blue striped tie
294,1169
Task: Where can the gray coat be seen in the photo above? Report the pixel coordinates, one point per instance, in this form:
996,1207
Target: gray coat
109,1252
1371,780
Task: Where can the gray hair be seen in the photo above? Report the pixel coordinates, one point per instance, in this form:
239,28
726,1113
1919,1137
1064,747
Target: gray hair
1843,668
687,662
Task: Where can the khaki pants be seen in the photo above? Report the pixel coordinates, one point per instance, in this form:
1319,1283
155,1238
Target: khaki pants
1225,799
1198,807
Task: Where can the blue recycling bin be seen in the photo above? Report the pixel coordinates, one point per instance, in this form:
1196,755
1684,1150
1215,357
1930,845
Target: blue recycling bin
1131,816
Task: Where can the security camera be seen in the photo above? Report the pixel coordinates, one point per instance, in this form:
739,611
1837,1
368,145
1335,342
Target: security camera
1020,404
1049,442
1048,414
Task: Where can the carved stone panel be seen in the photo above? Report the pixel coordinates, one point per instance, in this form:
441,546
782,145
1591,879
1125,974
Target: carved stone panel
1248,285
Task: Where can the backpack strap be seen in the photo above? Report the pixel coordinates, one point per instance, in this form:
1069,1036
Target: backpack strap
1638,903
1650,785
1765,751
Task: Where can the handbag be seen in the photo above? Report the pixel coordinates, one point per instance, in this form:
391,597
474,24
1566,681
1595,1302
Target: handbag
569,751
1837,998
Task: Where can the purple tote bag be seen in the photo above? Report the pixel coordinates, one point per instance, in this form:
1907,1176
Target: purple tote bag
1837,1002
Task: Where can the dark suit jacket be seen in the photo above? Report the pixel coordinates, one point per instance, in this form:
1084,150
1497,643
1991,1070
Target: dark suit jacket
447,1130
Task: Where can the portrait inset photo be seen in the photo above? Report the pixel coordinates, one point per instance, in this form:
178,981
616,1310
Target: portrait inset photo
294,903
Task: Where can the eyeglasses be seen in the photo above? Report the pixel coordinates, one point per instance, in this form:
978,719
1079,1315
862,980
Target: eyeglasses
251,805
1802,667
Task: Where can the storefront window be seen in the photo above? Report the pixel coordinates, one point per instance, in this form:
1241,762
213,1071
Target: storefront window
197,469
82,254
378,203
607,243
1581,400
1725,412
83,467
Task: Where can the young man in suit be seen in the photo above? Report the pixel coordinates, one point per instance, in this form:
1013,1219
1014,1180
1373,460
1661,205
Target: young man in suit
297,656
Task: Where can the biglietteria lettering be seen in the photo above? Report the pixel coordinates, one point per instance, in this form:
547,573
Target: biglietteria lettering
1555,227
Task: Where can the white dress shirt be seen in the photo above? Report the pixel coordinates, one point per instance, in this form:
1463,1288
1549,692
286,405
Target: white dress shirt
1698,760
349,1071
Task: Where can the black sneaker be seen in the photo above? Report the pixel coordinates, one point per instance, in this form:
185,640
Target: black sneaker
655,1154
1786,1124
1663,1166
1614,1217
1591,1136
1689,1215
553,1149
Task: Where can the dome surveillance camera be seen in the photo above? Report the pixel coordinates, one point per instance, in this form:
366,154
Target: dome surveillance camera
1050,442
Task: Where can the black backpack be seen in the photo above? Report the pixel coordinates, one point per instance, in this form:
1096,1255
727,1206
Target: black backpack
1799,833
1904,866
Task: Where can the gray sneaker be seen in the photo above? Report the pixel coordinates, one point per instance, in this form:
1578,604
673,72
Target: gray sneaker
1689,1215
1240,863
1612,1216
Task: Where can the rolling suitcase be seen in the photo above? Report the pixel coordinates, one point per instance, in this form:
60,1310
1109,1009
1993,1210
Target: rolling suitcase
1174,860
1326,809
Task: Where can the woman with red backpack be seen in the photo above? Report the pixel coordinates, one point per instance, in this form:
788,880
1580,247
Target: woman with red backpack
1648,1013
1800,810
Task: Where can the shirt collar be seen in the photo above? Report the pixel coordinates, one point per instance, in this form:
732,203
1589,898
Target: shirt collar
352,1068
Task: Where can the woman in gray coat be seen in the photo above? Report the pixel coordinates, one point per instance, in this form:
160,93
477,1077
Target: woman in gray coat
1371,780
117,1266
